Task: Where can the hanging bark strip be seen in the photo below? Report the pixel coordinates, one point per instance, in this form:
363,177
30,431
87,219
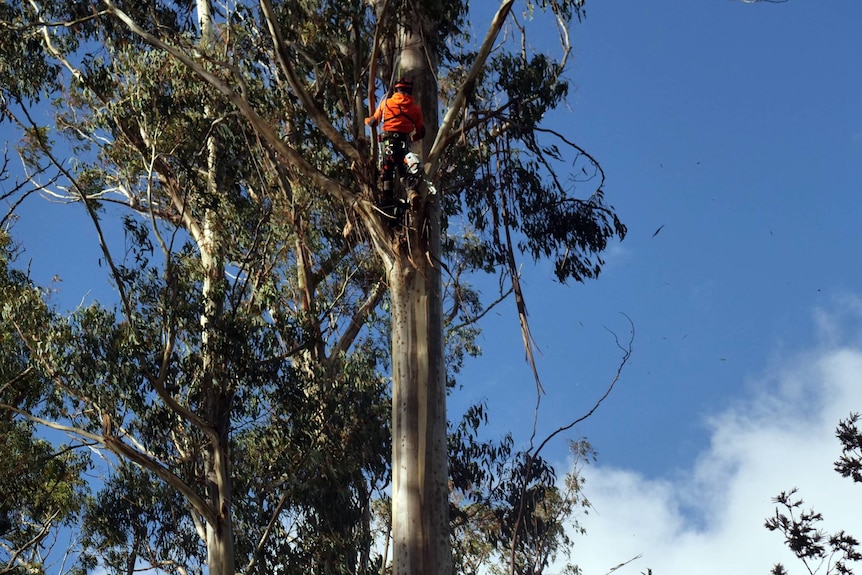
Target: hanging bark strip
529,343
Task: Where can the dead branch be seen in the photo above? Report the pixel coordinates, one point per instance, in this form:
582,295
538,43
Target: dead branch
467,86
534,453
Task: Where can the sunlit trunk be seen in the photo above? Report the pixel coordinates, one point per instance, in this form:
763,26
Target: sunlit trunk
420,497
217,402
420,520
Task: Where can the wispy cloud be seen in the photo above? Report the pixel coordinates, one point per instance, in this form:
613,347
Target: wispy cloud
709,518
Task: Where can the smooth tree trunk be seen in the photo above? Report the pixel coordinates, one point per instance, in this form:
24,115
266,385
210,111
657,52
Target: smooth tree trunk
218,396
420,518
420,494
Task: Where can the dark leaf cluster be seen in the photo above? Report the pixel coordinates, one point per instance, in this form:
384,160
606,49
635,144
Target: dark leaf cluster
850,436
801,529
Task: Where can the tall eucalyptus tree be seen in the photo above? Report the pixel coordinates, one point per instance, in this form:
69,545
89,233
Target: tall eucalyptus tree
244,356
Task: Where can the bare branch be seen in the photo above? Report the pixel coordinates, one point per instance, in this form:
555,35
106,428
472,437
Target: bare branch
627,352
43,531
468,85
18,187
158,384
308,103
488,308
534,453
382,13
624,563
529,342
116,445
273,520
358,320
196,501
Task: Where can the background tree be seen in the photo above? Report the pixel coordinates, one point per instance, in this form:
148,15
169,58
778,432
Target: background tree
43,488
234,380
814,547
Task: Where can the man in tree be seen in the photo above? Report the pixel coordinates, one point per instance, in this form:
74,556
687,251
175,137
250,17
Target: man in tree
231,347
401,123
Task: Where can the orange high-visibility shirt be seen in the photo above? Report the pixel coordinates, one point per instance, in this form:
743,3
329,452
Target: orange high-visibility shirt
399,113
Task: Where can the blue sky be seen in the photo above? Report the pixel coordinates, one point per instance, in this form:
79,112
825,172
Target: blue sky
737,130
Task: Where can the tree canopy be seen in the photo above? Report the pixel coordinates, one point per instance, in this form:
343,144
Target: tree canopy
238,387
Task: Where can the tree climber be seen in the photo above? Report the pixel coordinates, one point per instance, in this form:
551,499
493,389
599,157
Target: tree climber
401,123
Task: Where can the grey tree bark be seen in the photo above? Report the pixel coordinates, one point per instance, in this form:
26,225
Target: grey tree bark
219,533
420,497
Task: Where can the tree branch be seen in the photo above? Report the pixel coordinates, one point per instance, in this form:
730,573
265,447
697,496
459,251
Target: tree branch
532,454
261,126
249,568
627,352
467,86
198,504
319,118
14,554
117,446
358,320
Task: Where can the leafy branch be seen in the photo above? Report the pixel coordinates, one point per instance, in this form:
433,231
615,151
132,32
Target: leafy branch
816,548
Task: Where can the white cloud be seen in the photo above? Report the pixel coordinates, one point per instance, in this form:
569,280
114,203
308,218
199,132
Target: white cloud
709,519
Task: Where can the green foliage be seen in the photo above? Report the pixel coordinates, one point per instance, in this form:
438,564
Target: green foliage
850,436
322,458
128,520
23,66
239,280
43,488
510,511
509,174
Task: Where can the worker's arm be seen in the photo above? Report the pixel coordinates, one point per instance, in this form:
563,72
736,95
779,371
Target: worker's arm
375,119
